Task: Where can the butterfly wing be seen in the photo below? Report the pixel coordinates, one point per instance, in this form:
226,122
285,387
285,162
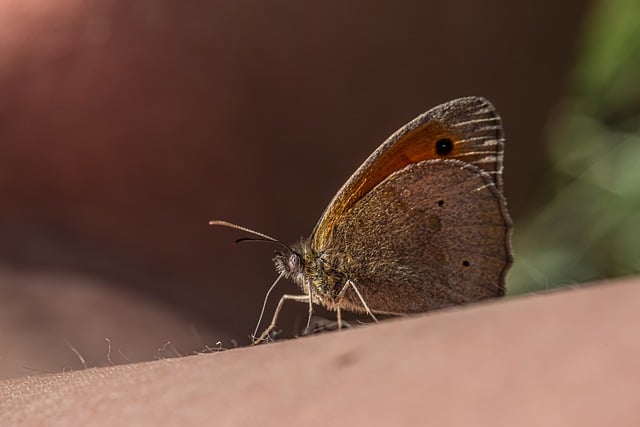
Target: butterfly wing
434,234
471,126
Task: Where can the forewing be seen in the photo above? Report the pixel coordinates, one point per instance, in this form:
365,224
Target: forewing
471,124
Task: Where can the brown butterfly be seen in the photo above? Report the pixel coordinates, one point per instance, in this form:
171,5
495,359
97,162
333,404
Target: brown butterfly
421,225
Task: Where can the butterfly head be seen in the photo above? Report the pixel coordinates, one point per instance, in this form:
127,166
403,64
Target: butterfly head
289,263
305,267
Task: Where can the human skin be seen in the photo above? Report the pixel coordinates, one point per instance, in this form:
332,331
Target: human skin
570,357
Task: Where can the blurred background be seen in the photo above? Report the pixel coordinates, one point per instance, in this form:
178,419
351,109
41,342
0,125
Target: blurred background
126,125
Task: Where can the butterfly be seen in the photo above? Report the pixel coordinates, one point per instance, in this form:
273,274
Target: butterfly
421,225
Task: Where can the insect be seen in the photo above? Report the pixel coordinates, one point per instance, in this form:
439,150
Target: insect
422,224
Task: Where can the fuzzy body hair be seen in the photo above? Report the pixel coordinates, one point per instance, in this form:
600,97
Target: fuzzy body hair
317,274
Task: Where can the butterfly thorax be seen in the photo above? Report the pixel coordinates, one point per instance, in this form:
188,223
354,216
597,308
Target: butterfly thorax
310,270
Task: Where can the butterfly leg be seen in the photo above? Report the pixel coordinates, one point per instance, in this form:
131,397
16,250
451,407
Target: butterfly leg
306,329
272,326
343,291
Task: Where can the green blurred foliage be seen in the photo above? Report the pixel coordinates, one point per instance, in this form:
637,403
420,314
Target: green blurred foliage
587,223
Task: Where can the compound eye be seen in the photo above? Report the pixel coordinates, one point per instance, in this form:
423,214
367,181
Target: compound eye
294,262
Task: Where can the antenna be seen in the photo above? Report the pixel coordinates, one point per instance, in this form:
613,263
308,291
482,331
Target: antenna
241,228
262,237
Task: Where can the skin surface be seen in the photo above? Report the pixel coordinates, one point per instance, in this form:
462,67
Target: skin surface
570,357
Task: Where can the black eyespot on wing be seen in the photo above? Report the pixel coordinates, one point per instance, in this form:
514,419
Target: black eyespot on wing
440,202
444,146
465,263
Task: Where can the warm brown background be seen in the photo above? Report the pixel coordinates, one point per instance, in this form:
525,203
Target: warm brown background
125,126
